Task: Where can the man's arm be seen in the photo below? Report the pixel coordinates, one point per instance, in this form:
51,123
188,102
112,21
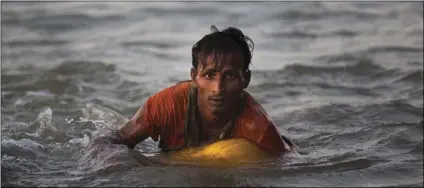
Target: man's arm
135,130
130,134
258,126
156,113
273,141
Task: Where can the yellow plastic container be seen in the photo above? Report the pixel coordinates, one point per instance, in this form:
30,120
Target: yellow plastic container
229,152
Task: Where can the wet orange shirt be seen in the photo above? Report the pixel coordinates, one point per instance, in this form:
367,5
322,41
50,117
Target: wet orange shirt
165,113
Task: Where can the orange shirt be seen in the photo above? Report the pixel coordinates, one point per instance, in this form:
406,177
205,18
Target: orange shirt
165,113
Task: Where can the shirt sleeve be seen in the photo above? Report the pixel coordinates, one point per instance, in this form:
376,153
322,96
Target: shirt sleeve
272,140
162,111
146,119
255,125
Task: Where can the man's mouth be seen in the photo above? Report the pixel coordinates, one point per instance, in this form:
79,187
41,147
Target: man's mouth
218,101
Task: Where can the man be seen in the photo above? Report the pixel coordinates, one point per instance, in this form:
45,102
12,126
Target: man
212,105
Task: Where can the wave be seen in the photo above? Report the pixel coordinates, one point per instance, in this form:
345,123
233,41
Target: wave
66,78
362,74
293,15
22,148
413,76
34,43
183,11
397,49
335,114
149,44
296,34
361,67
51,23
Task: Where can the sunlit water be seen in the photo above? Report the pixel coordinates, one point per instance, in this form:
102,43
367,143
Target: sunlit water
343,80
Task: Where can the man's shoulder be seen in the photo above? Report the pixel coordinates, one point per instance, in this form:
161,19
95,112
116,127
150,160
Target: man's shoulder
254,116
176,91
255,109
182,86
254,121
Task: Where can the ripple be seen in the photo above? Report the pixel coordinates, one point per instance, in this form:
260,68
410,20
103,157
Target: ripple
361,67
22,148
65,22
413,76
398,49
184,11
325,14
154,44
35,43
297,34
294,34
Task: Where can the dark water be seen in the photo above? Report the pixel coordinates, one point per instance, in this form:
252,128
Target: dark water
344,80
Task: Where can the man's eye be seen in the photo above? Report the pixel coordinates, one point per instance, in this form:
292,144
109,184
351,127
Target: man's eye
231,76
208,75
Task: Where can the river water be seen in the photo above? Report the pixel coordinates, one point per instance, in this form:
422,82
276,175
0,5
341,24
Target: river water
343,80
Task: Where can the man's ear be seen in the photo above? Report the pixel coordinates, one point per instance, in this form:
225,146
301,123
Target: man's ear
247,76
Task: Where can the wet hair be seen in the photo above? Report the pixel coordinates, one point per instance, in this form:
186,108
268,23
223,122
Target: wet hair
221,43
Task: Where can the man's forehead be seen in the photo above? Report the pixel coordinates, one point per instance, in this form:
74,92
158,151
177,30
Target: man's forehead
224,61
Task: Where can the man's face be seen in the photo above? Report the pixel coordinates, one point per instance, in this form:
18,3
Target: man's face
220,87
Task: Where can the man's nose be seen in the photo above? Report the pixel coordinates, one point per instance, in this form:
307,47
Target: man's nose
218,86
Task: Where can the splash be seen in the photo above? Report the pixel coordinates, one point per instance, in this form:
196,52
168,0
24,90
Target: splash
43,124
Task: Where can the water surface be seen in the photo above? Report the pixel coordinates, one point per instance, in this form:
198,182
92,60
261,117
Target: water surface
343,80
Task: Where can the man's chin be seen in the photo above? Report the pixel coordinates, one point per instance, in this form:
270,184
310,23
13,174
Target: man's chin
218,111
